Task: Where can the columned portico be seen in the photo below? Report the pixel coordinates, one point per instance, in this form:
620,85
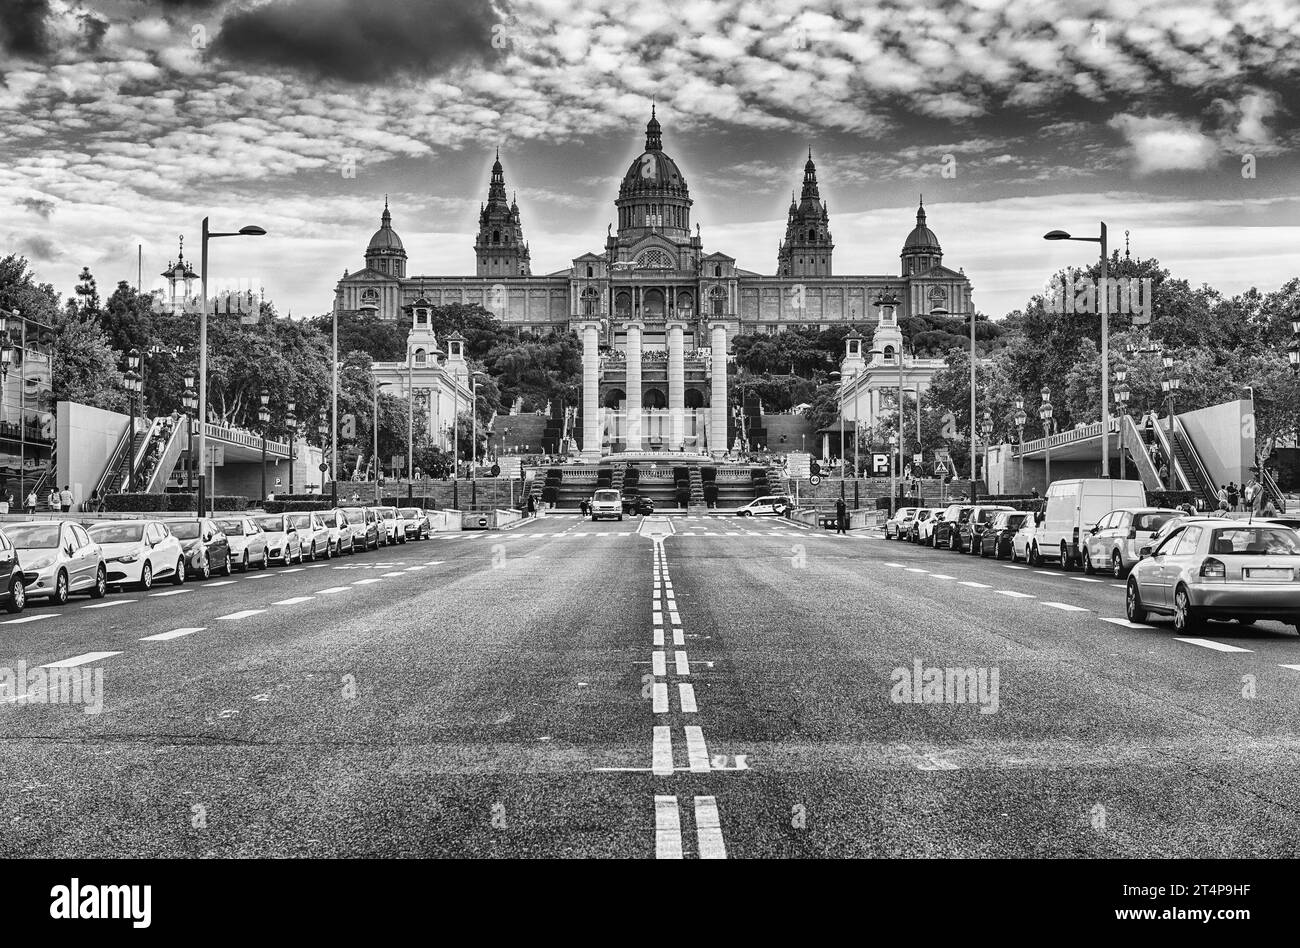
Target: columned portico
676,381
591,447
718,391
633,350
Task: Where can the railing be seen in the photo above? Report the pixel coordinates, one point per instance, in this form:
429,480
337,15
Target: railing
1202,473
1147,471
1162,436
115,459
1068,437
247,438
1271,490
171,452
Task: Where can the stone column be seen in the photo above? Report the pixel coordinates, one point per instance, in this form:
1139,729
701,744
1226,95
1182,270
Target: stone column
718,391
590,389
634,410
676,383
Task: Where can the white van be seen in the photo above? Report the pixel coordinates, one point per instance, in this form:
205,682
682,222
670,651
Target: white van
1073,508
774,505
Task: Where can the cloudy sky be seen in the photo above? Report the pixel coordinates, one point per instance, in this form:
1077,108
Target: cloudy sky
126,121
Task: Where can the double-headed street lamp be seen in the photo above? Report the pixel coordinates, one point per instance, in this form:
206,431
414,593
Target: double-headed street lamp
1169,384
1121,409
986,429
413,394
264,417
378,386
1020,419
1103,301
291,421
190,400
1045,413
893,494
250,231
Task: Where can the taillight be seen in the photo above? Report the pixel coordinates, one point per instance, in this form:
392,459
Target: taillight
1214,569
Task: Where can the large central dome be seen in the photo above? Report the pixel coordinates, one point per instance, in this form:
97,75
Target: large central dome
653,170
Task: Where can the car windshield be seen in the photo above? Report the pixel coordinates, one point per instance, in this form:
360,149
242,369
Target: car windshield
388,514
1255,541
231,528
411,513
116,532
185,530
1014,520
1152,521
606,496
34,536
329,519
271,524
301,521
923,515
354,513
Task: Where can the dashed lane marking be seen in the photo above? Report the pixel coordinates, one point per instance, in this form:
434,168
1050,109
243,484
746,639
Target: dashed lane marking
1211,644
296,569
391,574
170,592
683,666
708,826
111,602
242,614
662,752
1015,595
972,585
367,582
659,697
173,634
1085,579
687,695
1126,624
659,665
228,582
1009,566
80,659
941,576
668,828
293,601
332,589
697,752
1066,607
25,619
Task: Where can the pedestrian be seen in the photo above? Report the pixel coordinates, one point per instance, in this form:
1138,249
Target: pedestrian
532,506
94,502
1222,496
65,498
841,515
52,501
1233,496
1222,511
1269,510
1033,493
31,502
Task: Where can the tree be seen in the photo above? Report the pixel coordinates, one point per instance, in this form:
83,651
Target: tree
84,366
128,318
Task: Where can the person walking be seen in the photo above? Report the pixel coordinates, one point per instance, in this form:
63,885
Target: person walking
52,501
1234,496
1222,495
31,502
65,498
531,506
841,515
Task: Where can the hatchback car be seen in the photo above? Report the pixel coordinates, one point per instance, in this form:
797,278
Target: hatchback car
282,541
773,505
313,535
12,587
137,552
247,542
1115,540
1218,569
900,524
1022,541
207,550
59,558
997,538
364,525
945,529
638,506
340,530
391,529
923,525
970,531
415,521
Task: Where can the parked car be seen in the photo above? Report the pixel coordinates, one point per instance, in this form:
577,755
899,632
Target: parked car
606,503
364,525
1072,507
1115,540
944,532
968,532
923,525
247,542
900,523
772,505
340,529
139,552
282,541
997,538
1211,568
313,535
12,587
416,523
58,558
638,506
1022,541
391,530
207,550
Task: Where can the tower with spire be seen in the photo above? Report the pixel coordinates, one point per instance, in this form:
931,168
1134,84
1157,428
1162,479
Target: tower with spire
500,247
807,248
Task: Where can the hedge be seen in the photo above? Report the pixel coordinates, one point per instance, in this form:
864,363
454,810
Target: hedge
1172,498
280,506
168,503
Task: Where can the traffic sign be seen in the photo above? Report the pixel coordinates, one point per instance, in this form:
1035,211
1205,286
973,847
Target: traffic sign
815,479
798,464
879,464
510,467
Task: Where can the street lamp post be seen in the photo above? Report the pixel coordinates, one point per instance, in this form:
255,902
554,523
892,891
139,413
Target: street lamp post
1045,413
264,418
291,422
190,400
378,386
1020,419
473,417
893,499
1169,384
1103,301
250,231
1121,410
986,429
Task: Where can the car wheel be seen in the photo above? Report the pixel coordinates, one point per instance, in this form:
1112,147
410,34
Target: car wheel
1067,563
329,550
1186,618
1087,564
312,557
266,559
954,544
17,596
146,577
206,571
100,589
229,569
1034,558
1117,565
178,578
60,596
243,566
1133,602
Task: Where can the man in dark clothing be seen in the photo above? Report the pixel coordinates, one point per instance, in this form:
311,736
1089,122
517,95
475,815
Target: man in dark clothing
841,515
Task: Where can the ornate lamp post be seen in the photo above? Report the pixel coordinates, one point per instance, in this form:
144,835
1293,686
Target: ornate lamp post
291,422
893,498
264,417
1020,419
986,429
191,401
1121,409
133,384
1045,413
1169,384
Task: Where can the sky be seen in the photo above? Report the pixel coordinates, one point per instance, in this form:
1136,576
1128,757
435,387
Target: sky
124,122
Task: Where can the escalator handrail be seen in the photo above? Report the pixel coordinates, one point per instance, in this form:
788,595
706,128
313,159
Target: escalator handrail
1203,474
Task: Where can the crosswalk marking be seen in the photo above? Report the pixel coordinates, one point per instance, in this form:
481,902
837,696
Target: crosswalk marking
1211,644
708,826
173,634
668,828
662,753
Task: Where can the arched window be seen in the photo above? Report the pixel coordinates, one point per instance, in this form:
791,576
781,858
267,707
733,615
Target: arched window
421,357
589,271
589,298
496,236
718,300
889,353
812,233
717,270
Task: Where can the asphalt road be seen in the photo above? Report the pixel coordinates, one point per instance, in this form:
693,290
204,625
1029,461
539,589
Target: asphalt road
676,686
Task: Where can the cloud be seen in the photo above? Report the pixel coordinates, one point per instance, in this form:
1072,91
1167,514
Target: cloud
39,248
23,29
1166,143
41,206
359,40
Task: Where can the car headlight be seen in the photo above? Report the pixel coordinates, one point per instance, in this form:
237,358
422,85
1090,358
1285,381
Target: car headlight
128,557
38,562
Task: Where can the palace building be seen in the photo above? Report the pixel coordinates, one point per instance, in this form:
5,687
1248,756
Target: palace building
654,309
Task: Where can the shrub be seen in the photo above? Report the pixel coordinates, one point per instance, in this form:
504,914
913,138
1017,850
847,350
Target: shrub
230,502
181,502
1172,498
280,506
129,503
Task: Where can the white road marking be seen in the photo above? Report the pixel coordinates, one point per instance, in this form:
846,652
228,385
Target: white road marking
659,697
659,635
80,659
687,695
1211,644
332,589
913,569
173,634
696,750
1015,595
941,576
244,614
1065,607
683,666
25,619
391,574
170,592
659,664
967,582
1118,586
296,569
677,636
662,754
1292,667
367,582
1009,566
668,828
1126,623
223,582
293,601
111,602
258,576
709,828
1085,579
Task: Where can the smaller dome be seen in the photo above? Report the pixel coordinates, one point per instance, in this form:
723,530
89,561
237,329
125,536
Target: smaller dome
385,239
921,238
